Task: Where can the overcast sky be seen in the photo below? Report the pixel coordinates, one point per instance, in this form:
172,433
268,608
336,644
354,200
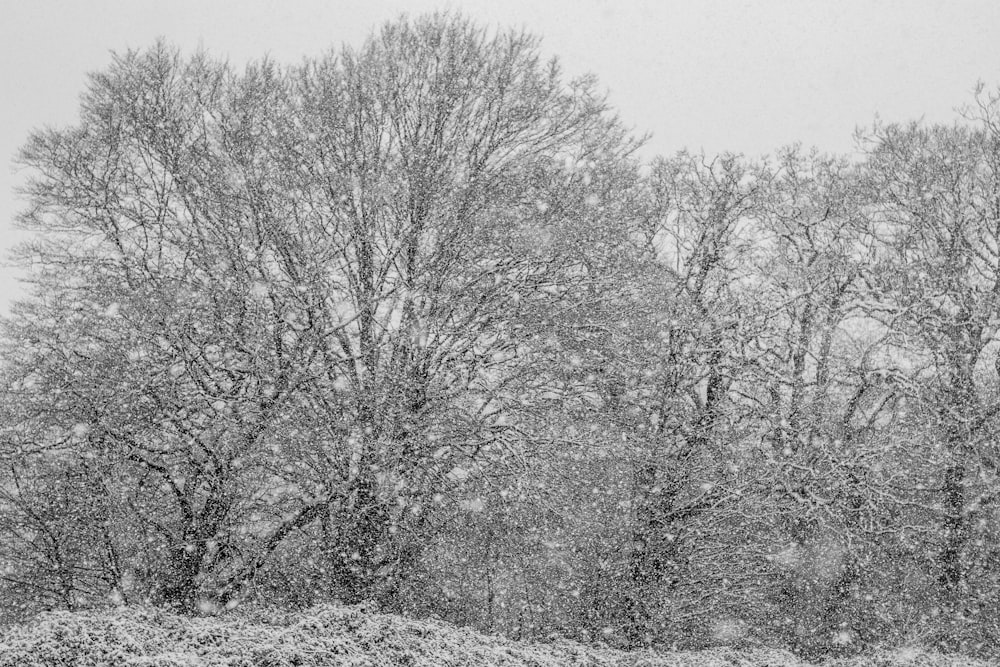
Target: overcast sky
742,76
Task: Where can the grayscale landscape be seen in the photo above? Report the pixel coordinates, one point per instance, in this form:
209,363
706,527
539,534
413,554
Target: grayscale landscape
418,350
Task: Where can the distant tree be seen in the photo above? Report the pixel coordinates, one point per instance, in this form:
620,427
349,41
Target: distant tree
936,210
653,372
822,417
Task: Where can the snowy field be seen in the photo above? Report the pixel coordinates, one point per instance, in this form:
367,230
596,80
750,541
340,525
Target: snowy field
349,636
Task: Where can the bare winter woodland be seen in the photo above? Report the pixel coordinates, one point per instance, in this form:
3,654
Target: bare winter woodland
413,324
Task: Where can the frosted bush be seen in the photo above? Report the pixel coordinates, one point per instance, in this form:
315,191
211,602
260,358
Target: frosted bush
331,635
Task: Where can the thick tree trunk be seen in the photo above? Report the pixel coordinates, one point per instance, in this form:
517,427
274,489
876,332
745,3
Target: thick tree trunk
653,559
956,529
359,547
962,403
180,591
187,558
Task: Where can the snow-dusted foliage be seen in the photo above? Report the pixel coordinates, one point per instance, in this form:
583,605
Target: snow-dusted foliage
338,636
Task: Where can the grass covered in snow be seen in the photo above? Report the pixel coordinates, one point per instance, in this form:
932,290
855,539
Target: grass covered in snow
348,636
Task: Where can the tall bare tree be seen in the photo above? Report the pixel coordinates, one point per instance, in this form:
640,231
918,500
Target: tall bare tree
300,297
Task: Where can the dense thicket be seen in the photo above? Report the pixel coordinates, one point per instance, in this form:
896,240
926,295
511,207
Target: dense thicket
412,323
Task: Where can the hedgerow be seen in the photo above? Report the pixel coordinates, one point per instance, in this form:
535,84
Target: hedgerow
342,636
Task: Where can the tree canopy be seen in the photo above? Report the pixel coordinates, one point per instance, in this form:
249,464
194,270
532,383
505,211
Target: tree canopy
413,323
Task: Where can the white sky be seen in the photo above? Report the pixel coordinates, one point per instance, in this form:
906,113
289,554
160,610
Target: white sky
744,76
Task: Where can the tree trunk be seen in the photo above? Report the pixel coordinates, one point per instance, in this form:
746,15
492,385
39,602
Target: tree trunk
956,529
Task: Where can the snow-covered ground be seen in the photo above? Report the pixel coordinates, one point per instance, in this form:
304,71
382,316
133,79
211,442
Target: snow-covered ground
346,636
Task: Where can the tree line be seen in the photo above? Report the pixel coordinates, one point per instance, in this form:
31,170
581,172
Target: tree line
414,323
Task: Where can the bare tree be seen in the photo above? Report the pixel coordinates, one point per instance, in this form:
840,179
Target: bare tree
306,292
936,191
